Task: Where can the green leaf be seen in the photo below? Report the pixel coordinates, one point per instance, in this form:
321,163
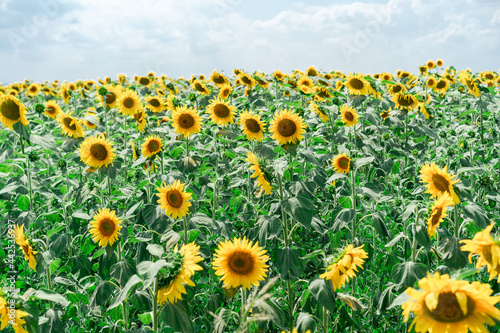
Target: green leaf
395,240
23,202
50,296
305,322
300,208
280,166
155,250
323,292
423,237
59,243
309,157
75,297
177,316
452,255
372,191
123,294
122,271
148,271
477,214
379,224
360,162
22,130
146,318
102,293
288,262
81,215
345,202
406,274
344,217
54,265
45,141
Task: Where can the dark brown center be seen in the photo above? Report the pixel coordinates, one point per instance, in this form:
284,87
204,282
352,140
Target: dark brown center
246,79
441,183
349,116
144,81
153,146
186,121
221,110
356,84
69,123
343,163
405,100
154,102
110,97
128,102
107,227
448,309
174,198
98,151
287,127
241,263
51,110
436,216
252,125
396,88
10,110
441,84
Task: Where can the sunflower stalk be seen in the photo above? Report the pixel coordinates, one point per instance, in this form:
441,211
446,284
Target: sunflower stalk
124,302
155,305
353,201
324,324
457,220
186,235
161,163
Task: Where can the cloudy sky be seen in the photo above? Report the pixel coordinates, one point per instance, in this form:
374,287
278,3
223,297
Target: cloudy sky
88,39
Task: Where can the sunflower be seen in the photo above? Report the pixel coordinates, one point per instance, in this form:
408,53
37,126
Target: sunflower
174,285
155,103
65,93
33,89
312,71
405,101
487,249
385,114
305,84
52,109
200,87
145,81
140,119
430,64
341,163
438,213
129,102
151,146
287,127
252,126
394,89
240,263
5,317
134,151
12,111
262,180
439,62
225,91
21,240
321,114
438,182
174,199
247,80
357,85
221,112
286,93
278,75
105,227
186,121
441,86
472,84
70,125
349,115
345,266
218,79
386,76
447,305
431,82
96,151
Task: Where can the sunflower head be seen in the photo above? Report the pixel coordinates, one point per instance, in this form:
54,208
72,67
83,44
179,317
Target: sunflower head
105,227
261,173
449,305
12,111
438,213
252,126
174,199
345,265
186,121
287,127
240,263
129,103
348,115
225,91
200,87
155,103
430,64
439,62
487,249
70,125
357,85
341,163
438,181
96,151
221,112
405,101
152,146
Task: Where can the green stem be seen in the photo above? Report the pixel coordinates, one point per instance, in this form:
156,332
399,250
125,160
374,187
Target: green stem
353,201
155,305
325,320
457,220
290,302
106,109
243,312
186,235
187,146
22,143
161,163
30,187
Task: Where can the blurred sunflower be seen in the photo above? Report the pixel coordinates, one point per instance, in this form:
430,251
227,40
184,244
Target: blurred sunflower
20,239
385,114
70,125
487,249
439,62
394,89
438,213
155,103
111,98
240,263
278,75
65,93
33,90
186,121
221,112
172,287
305,84
386,76
287,127
218,79
447,305
357,85
200,87
174,199
105,227
5,317
345,265
140,119
441,86
405,101
341,163
438,181
12,111
321,114
262,180
129,102
430,64
349,115
145,81
247,80
224,91
96,151
312,71
431,81
470,82
252,126
151,146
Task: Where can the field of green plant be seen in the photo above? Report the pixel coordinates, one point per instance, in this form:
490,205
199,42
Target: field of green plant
309,201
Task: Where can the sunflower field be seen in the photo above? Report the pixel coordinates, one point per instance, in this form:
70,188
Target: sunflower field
308,201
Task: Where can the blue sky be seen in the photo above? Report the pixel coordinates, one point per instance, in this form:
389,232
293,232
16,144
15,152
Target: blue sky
89,39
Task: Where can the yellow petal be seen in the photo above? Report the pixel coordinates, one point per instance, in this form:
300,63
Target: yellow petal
431,301
462,301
